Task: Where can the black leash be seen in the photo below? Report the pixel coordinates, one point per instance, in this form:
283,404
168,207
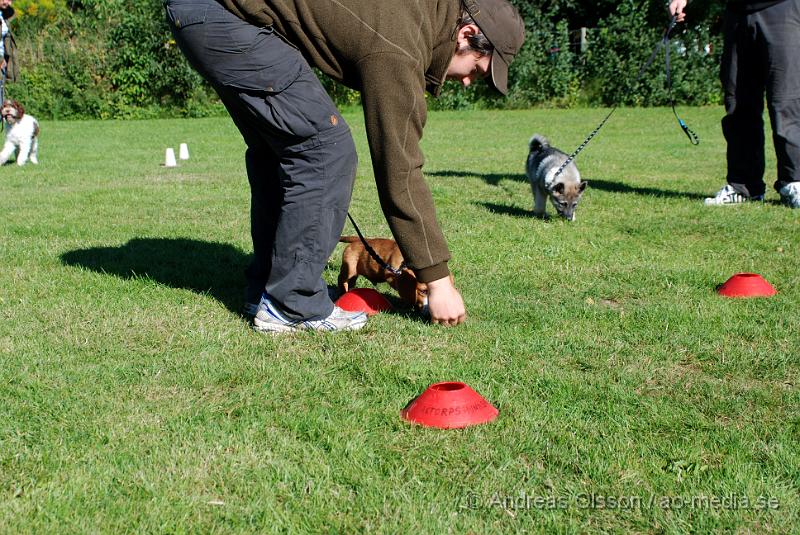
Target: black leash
689,133
373,254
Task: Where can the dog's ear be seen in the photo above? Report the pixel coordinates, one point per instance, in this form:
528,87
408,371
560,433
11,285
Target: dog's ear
582,186
559,188
18,106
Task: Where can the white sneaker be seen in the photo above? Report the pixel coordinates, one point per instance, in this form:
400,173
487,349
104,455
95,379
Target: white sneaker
270,319
790,194
728,195
251,309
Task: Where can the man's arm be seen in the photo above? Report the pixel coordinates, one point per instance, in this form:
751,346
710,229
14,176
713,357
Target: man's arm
393,98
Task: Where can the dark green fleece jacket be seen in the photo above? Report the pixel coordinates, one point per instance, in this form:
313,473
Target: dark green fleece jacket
392,51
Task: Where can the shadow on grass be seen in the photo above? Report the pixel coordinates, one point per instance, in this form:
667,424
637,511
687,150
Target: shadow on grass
620,187
216,269
594,183
492,179
504,209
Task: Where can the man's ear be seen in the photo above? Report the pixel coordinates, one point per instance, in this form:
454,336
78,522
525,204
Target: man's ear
464,32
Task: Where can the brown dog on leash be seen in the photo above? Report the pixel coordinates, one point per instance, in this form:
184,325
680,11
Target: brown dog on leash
357,261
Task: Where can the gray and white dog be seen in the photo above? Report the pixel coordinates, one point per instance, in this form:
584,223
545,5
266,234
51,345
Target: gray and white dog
564,190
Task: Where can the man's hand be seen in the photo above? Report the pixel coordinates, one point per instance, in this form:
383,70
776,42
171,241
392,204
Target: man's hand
676,8
444,303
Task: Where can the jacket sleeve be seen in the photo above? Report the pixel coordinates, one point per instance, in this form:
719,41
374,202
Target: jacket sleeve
393,98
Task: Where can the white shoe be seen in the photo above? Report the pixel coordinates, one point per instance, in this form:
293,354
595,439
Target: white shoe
728,195
251,309
270,319
790,194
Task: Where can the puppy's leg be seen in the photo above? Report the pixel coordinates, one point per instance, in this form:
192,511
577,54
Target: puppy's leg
347,277
540,201
24,151
343,280
8,149
35,151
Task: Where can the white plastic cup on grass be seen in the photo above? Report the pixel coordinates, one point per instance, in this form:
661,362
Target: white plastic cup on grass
169,158
183,152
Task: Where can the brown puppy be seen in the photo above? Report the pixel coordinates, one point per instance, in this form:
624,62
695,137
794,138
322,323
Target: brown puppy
357,261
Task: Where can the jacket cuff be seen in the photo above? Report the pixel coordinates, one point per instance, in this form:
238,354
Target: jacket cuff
432,273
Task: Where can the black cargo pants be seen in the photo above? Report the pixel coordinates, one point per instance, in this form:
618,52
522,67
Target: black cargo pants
300,157
761,53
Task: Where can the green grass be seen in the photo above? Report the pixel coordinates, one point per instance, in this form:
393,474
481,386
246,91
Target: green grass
135,398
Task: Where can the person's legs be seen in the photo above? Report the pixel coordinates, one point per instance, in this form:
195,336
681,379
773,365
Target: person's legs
780,25
294,131
317,184
266,196
743,76
316,176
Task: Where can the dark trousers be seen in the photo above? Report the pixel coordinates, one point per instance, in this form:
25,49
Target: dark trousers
300,157
761,54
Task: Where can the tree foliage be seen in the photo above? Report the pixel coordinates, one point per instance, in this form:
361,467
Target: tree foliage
117,59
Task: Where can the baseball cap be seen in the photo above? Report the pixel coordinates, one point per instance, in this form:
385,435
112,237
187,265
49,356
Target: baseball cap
502,25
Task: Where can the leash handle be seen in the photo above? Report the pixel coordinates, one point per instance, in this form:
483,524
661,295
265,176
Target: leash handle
693,137
371,251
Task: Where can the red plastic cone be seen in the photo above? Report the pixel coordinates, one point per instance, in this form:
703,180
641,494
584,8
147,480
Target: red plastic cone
746,285
449,405
363,300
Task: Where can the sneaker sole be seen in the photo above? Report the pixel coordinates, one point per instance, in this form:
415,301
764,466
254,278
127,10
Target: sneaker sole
707,203
710,202
273,328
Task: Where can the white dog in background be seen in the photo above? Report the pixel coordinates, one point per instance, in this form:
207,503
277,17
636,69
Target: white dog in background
22,134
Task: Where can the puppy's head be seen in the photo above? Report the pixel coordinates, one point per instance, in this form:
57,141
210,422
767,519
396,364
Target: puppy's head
566,195
411,291
12,111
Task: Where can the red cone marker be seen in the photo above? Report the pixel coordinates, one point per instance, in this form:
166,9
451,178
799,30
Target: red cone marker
746,285
363,300
448,406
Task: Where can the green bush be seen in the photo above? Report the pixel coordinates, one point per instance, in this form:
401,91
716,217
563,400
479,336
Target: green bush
622,45
105,59
117,59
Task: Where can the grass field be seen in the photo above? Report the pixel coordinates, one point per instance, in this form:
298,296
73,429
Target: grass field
135,398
